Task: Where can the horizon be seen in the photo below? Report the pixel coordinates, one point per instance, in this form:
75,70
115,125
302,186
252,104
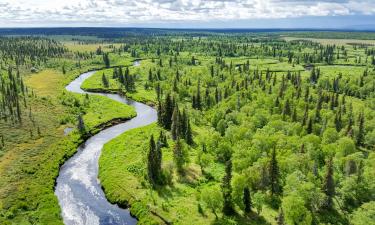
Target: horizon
260,29
210,14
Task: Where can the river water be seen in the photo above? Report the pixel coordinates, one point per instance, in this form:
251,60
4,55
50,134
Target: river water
78,188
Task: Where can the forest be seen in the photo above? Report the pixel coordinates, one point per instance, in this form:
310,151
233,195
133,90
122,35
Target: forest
252,127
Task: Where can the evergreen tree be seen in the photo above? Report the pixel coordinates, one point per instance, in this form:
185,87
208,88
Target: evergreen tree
361,130
105,81
349,128
154,162
81,125
106,60
294,115
309,128
198,100
179,156
2,142
274,174
63,69
313,77
160,115
162,141
286,109
188,134
167,111
305,115
318,107
329,185
175,128
227,190
338,121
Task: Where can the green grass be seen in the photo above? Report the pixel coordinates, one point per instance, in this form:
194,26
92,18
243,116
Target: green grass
102,110
79,47
94,83
122,171
30,162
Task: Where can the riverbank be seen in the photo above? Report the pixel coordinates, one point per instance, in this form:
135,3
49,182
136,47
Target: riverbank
27,191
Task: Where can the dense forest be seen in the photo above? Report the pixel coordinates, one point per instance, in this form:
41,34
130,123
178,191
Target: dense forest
252,128
291,135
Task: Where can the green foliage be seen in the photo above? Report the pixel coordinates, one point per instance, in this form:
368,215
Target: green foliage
154,162
295,210
364,215
180,156
212,198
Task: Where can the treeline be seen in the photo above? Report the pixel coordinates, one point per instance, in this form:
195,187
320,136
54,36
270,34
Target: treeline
33,51
219,46
13,95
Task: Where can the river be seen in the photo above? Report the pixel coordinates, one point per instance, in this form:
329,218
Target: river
78,188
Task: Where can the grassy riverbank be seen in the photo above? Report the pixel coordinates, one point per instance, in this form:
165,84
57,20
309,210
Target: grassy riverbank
34,151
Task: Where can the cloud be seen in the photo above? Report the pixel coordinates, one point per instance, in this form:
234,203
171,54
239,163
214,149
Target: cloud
52,12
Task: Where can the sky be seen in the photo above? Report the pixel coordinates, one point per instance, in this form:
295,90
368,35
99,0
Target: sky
339,14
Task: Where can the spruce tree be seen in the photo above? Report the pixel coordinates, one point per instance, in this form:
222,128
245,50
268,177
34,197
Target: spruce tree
175,128
274,174
329,185
179,156
361,130
81,124
350,124
305,115
188,134
154,162
105,81
226,188
162,139
160,115
2,141
294,115
183,123
106,60
286,109
198,99
309,128
168,112
338,121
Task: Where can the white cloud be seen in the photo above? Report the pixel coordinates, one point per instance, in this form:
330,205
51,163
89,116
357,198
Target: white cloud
29,12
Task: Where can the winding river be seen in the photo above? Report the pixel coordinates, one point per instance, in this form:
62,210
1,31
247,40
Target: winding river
78,188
